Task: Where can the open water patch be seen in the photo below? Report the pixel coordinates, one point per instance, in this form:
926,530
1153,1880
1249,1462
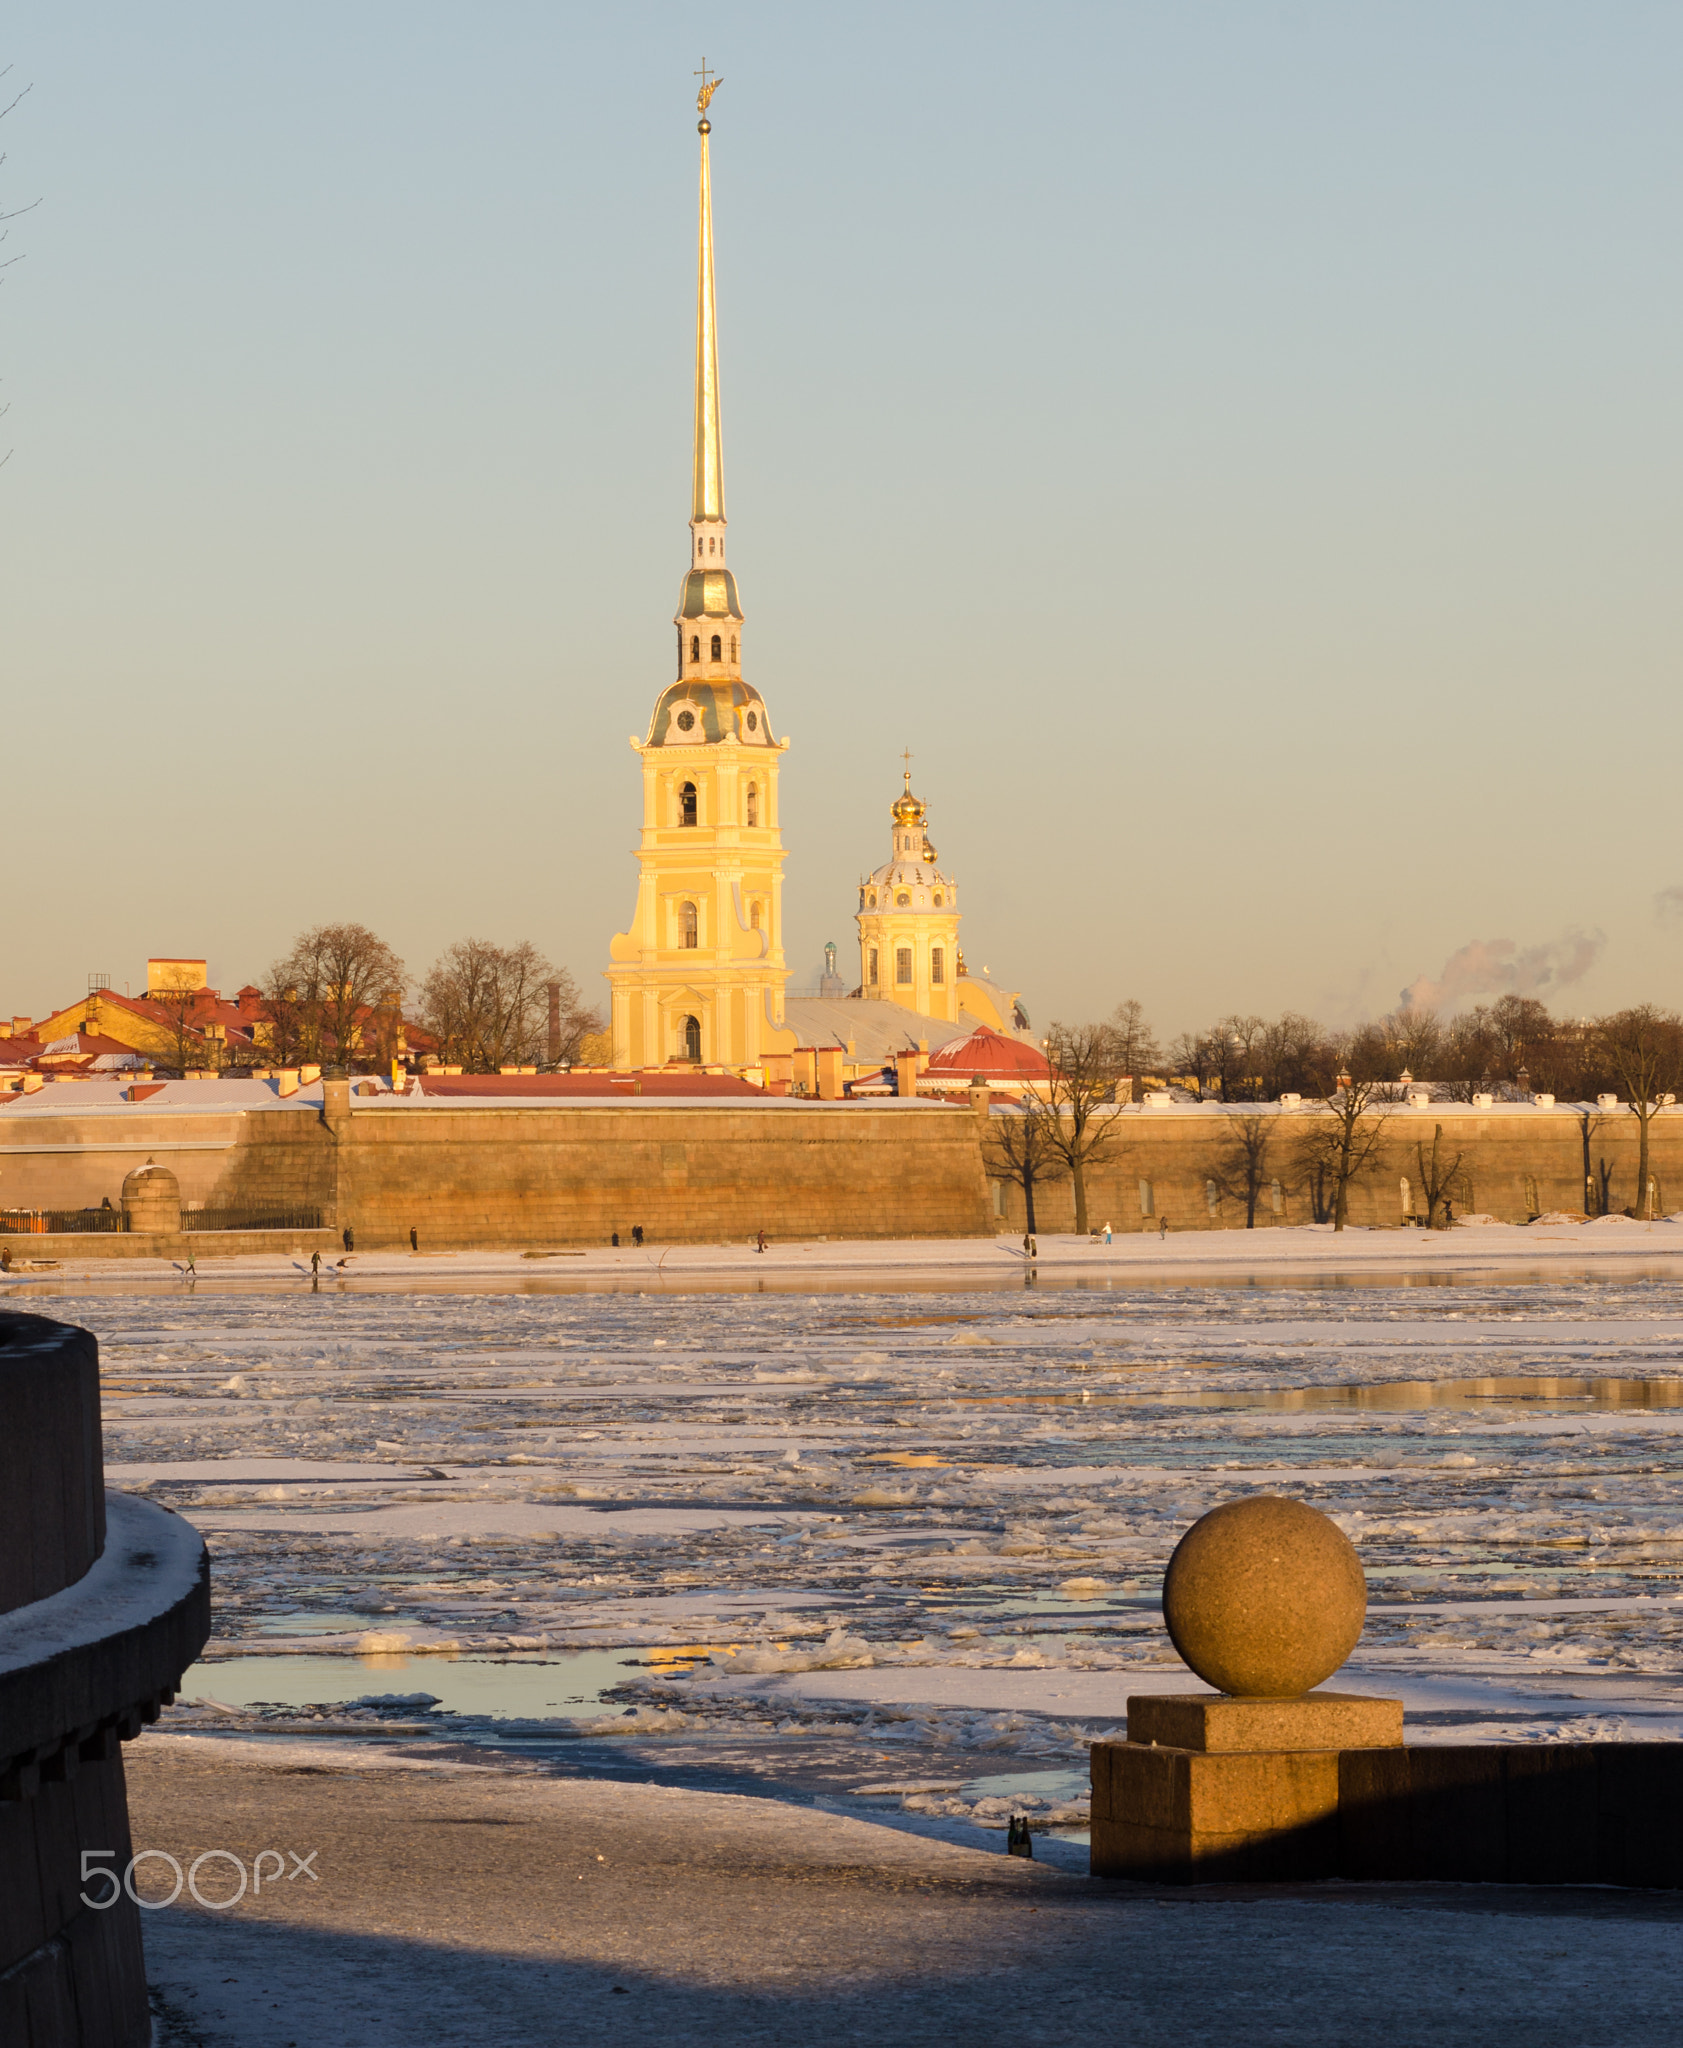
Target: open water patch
517,1687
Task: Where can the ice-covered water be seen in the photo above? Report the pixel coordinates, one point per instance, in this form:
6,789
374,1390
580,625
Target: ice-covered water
934,1520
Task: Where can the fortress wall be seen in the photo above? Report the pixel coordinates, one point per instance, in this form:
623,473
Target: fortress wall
1513,1156
574,1173
75,1161
687,1175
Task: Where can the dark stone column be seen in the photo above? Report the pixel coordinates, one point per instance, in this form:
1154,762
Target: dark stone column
72,1975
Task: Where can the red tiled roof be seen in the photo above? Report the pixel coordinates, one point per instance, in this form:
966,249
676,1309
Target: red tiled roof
599,1085
992,1055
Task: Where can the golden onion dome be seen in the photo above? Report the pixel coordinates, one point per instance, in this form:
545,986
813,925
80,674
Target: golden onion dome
906,808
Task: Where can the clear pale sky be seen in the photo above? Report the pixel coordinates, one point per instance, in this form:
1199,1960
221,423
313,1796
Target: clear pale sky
1236,448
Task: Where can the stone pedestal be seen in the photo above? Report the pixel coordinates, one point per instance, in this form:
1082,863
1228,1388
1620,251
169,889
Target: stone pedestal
1209,1788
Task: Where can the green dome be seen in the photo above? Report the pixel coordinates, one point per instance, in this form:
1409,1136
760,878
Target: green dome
720,710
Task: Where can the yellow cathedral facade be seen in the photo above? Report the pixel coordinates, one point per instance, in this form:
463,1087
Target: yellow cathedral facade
699,976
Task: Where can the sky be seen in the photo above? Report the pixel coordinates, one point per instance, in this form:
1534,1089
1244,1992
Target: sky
1235,448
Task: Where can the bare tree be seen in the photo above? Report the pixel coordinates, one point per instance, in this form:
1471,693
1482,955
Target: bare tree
1292,1056
489,1006
1340,1142
1470,1056
1240,1167
287,1034
1598,1173
1022,1147
184,1045
1416,1037
1080,1096
1192,1057
1436,1179
1235,1055
1644,1047
1134,1044
325,992
1522,1032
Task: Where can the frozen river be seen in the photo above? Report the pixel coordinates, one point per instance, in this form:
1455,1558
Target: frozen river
908,1540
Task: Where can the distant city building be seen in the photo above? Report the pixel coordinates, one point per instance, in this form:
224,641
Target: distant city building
830,982
184,1026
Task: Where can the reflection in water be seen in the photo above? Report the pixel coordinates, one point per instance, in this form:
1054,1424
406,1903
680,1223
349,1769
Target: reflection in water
1539,1393
866,1280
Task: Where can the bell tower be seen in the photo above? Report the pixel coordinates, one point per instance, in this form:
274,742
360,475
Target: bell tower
699,975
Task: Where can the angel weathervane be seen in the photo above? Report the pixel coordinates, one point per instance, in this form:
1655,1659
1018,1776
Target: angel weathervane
709,86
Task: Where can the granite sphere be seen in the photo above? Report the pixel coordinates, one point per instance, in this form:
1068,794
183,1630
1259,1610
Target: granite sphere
1264,1597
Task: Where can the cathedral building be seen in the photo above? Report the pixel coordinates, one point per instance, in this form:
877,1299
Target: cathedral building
699,976
908,921
700,973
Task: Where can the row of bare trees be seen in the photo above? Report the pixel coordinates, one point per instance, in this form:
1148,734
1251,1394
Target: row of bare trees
1347,1085
338,996
1513,1043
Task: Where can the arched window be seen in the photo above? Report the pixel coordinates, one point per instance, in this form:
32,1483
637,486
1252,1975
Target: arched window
733,647
712,545
903,966
939,899
754,918
695,647
938,965
689,1033
718,647
753,803
871,967
686,804
686,924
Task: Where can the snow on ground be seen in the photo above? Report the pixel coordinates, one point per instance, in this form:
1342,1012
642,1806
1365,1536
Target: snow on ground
880,1510
1550,1243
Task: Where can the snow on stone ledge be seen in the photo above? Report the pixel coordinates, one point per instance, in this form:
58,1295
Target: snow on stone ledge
151,1563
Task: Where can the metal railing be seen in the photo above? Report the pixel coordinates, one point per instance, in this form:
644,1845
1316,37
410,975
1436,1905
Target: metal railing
215,1216
195,1216
49,1222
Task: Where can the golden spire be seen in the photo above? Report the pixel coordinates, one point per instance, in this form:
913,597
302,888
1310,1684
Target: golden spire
709,447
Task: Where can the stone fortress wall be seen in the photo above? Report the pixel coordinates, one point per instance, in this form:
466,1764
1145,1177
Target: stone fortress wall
472,1173
1518,1160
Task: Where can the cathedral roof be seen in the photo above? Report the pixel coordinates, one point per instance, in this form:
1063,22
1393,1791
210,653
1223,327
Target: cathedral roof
991,1055
717,711
709,594
908,874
